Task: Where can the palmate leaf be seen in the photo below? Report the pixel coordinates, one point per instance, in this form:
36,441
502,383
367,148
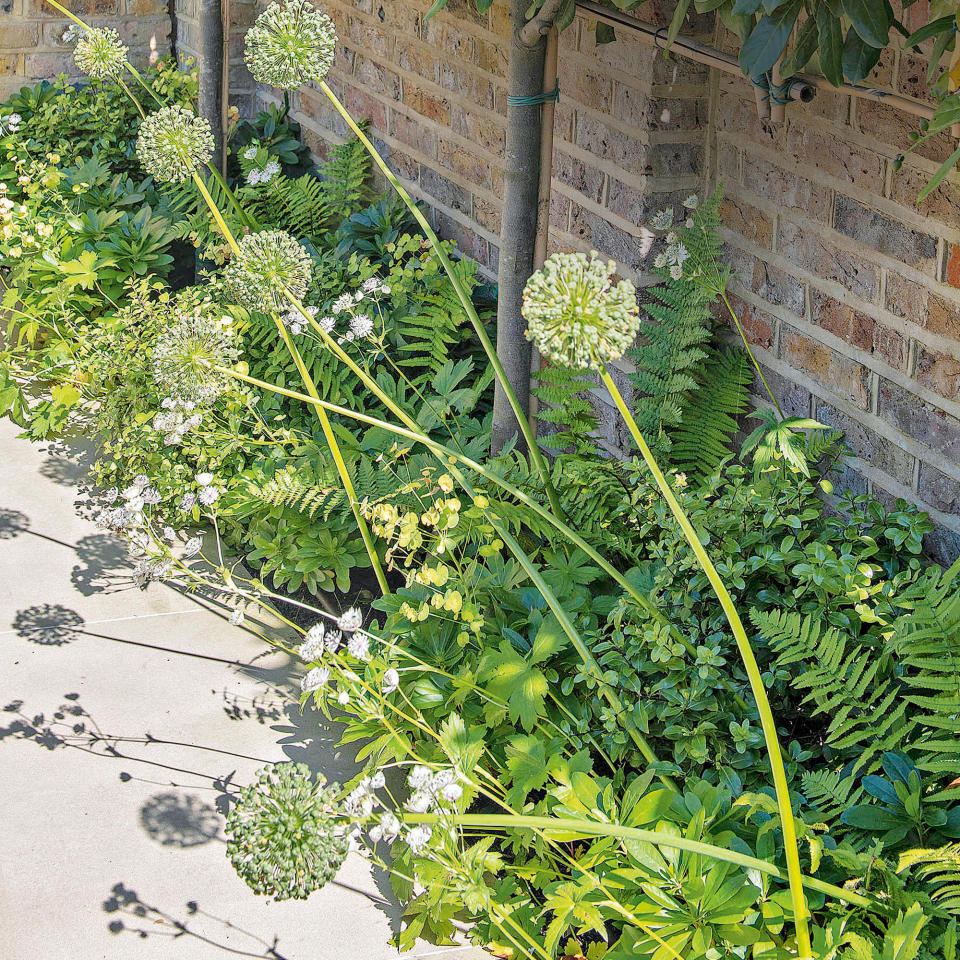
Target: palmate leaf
527,765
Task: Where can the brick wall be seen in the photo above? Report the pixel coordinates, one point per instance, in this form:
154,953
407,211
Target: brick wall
849,292
31,47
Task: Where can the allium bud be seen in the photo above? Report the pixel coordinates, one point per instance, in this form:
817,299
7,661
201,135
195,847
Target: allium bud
174,143
576,316
282,833
291,43
100,53
270,268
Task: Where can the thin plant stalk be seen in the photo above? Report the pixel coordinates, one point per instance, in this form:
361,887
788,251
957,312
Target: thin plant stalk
522,420
566,624
767,722
746,343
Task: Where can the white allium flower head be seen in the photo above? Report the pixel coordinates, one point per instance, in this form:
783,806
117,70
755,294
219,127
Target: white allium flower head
576,316
391,680
351,620
270,268
418,838
174,143
100,53
358,646
188,351
291,43
315,679
361,326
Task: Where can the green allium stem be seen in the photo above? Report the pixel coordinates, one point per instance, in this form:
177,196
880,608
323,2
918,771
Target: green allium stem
746,343
767,722
522,420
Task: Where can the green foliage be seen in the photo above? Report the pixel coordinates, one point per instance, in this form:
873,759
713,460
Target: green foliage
567,416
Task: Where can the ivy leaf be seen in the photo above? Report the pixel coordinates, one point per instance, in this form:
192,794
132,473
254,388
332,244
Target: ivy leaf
769,39
859,58
871,20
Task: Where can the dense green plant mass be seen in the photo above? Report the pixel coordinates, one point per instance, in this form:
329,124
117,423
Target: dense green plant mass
588,771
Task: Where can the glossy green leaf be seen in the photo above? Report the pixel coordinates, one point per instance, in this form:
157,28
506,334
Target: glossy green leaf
768,40
871,20
859,58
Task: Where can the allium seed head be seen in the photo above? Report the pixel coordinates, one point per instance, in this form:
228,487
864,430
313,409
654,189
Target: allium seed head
270,268
291,43
100,53
282,835
174,143
187,353
576,316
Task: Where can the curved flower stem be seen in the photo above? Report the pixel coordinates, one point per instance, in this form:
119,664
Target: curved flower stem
767,722
746,343
591,828
331,439
216,214
535,455
448,457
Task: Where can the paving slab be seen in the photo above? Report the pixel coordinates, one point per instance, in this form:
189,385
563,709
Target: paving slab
127,719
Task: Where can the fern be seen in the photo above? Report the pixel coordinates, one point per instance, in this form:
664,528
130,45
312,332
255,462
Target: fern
939,867
708,418
829,792
669,359
564,410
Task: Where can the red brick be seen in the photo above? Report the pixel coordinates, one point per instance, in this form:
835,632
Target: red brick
939,373
836,157
751,223
843,376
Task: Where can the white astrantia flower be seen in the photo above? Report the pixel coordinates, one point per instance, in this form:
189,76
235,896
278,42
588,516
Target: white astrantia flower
271,267
100,53
169,533
378,781
111,494
327,324
192,547
358,646
419,777
237,617
371,285
291,43
692,202
358,804
250,153
141,480
343,302
204,479
662,219
254,176
174,143
420,802
151,497
270,170
208,496
187,502
418,838
451,793
343,698
332,640
361,326
351,620
315,679
576,316
311,649
391,681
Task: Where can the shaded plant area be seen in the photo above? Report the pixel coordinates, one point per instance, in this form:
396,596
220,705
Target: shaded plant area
687,703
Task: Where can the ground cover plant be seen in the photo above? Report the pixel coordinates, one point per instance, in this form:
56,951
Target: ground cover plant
676,705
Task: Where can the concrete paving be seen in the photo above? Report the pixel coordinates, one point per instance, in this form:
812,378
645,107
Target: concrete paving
127,718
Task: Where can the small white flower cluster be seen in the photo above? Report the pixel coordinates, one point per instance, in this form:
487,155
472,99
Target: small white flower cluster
291,43
296,321
100,53
174,143
206,496
319,640
175,420
10,124
675,254
433,792
263,174
361,325
122,517
577,317
270,267
73,33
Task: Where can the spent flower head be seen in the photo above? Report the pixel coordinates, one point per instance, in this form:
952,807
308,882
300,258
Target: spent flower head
576,316
187,353
100,53
283,836
291,43
174,143
270,268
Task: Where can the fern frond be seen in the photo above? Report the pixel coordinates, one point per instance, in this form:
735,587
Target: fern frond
940,868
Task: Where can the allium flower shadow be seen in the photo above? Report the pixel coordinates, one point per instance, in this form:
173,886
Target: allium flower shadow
103,561
12,523
49,624
179,820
